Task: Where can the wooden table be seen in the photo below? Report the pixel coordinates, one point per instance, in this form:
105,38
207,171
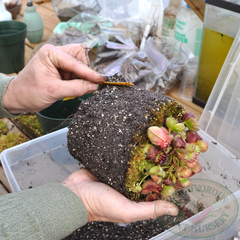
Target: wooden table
50,20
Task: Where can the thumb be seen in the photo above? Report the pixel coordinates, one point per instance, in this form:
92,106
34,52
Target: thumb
151,210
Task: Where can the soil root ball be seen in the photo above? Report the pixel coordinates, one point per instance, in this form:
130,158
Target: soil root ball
101,134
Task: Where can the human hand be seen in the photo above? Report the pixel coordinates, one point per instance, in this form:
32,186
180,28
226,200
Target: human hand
103,203
45,78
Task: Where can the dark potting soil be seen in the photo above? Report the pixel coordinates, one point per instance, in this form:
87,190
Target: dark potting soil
101,133
138,230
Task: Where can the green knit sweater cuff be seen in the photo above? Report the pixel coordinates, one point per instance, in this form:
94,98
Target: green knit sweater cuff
51,211
4,81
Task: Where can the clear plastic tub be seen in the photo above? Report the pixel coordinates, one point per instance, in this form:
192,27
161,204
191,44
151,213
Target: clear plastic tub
221,115
46,159
36,162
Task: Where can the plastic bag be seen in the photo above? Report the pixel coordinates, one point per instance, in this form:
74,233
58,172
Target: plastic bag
124,10
174,71
137,69
165,45
111,54
145,68
129,13
67,9
92,18
158,60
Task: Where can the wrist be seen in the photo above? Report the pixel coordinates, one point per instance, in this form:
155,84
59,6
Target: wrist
10,102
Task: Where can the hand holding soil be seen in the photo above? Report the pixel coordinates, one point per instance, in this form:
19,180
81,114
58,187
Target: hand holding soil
42,81
103,203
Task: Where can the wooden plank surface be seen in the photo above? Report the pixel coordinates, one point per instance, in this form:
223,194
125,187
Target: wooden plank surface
48,5
3,191
4,180
28,52
189,106
49,17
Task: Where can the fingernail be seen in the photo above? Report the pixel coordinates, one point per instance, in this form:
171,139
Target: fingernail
93,87
103,76
172,211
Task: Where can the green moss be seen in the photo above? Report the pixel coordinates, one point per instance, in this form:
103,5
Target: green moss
30,125
3,127
10,140
161,113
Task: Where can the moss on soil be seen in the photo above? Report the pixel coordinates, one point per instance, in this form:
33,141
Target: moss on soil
3,127
29,124
10,140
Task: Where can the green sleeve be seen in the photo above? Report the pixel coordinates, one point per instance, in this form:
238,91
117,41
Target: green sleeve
4,81
51,211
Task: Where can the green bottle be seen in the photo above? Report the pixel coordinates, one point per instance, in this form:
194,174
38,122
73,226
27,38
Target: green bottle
34,23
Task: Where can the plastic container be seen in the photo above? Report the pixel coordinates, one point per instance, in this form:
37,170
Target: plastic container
188,30
46,159
221,115
169,18
187,86
39,161
58,115
34,23
13,6
221,24
12,46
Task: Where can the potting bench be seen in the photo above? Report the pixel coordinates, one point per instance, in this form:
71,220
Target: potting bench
50,20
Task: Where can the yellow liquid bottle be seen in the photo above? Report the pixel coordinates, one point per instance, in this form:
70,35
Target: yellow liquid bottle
215,48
